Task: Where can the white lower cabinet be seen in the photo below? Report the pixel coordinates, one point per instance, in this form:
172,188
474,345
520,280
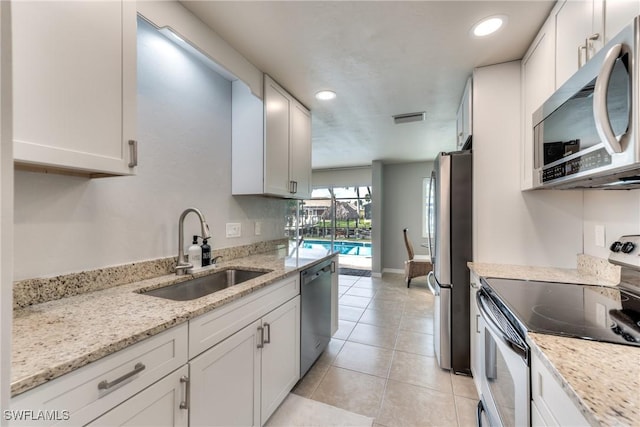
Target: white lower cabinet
164,404
225,382
550,404
475,332
87,393
232,366
243,379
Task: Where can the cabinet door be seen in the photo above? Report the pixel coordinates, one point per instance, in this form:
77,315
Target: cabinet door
538,83
300,151
276,145
475,332
554,406
280,355
619,14
576,21
225,382
74,71
157,406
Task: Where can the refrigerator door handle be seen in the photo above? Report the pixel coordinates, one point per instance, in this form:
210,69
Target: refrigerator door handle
432,288
430,218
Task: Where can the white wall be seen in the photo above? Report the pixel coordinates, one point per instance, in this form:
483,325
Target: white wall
402,208
617,211
65,224
6,206
512,227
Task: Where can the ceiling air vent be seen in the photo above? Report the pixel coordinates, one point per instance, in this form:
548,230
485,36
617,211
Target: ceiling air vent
409,117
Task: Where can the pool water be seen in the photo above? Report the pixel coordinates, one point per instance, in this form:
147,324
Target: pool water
344,248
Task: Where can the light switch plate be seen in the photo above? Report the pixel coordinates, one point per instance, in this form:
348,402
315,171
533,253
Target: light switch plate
234,229
258,228
599,237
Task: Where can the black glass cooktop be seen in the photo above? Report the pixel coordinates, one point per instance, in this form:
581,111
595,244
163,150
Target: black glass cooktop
598,313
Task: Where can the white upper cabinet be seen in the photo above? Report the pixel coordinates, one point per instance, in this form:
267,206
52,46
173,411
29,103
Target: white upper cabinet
74,86
300,150
579,35
464,118
271,148
618,14
538,83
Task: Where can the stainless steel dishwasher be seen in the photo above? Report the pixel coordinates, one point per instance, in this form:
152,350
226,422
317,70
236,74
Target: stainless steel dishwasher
315,312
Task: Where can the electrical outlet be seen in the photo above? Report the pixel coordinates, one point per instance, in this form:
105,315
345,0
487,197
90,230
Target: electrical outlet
258,229
234,229
600,236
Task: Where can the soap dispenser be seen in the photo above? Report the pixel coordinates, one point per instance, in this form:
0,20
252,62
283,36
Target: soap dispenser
195,253
206,253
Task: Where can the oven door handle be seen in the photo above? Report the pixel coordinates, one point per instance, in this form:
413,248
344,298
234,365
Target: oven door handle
518,348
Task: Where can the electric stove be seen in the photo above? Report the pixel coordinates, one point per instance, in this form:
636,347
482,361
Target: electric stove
600,313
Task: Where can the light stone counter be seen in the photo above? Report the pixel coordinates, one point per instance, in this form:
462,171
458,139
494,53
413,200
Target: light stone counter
56,337
602,379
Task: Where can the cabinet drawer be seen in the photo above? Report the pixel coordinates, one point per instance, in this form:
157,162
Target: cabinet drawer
553,405
209,329
86,393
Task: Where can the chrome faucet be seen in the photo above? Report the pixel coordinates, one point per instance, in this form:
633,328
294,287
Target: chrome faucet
183,267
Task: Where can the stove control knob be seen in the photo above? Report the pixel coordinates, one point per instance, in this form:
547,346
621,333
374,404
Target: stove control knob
616,246
628,247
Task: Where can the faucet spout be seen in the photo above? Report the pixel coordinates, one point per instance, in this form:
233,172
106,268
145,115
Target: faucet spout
183,265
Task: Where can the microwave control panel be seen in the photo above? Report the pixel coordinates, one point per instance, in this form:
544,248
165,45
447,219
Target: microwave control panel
574,165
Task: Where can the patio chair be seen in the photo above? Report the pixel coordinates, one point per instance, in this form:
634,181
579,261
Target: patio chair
416,265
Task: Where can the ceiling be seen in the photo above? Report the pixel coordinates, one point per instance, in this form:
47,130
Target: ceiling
382,58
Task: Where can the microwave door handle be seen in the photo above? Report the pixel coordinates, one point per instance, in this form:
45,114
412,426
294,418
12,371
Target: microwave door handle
600,92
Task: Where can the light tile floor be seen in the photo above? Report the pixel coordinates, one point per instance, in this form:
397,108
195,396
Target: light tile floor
381,362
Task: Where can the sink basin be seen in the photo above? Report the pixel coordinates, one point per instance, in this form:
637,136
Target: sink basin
197,288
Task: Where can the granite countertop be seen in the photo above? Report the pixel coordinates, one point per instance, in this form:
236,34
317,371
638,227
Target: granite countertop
56,337
602,379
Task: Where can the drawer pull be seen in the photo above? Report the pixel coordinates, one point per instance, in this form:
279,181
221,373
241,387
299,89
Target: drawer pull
105,385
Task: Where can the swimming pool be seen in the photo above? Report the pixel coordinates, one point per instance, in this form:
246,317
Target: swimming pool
345,248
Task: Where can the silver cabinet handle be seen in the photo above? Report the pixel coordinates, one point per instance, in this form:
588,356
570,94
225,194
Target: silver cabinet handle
580,49
600,111
106,385
133,151
267,328
187,392
293,187
261,337
588,42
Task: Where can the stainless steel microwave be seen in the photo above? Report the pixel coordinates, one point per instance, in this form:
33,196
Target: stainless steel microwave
586,134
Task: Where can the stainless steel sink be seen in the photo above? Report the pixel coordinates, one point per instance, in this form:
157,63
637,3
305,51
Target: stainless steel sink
196,288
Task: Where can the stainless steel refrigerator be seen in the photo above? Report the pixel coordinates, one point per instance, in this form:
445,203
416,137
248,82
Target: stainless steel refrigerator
449,225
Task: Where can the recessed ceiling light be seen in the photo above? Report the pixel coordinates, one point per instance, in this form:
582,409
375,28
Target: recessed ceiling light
488,25
325,95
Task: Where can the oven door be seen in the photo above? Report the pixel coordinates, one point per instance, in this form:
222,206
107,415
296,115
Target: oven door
505,369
